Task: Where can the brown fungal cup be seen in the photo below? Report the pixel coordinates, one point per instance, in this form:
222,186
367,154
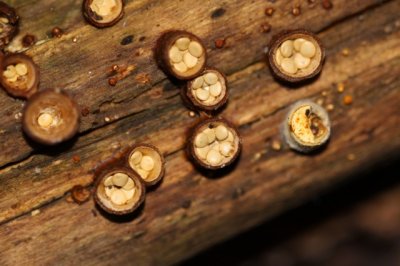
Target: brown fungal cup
56,32
148,162
28,40
181,54
296,55
103,13
8,24
119,191
80,194
50,117
215,143
209,91
19,75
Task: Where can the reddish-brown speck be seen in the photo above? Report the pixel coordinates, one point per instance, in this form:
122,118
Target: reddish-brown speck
269,11
112,81
219,43
28,40
76,158
348,99
296,10
327,4
80,194
56,32
85,111
266,27
114,68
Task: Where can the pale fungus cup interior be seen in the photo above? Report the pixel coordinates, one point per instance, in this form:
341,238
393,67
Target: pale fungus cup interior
119,192
298,55
209,89
147,162
307,126
4,24
106,11
186,56
215,144
17,74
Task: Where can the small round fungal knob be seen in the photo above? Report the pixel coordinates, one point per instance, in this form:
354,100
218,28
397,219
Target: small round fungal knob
80,194
306,127
148,162
296,55
103,13
220,145
208,91
50,117
181,54
119,191
19,75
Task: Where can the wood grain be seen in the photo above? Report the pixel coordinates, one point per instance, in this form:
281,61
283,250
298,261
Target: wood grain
189,211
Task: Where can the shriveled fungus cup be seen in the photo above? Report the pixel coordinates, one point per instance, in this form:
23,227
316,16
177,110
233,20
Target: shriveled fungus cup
306,126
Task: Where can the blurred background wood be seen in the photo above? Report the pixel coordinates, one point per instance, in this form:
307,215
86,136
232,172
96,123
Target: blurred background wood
355,224
189,211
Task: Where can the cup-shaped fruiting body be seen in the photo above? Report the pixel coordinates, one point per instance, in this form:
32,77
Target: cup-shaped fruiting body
80,194
215,143
296,55
181,54
306,126
103,13
8,24
148,162
50,117
119,191
19,75
209,91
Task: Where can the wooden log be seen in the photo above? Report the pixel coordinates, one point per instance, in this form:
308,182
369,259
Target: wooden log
189,211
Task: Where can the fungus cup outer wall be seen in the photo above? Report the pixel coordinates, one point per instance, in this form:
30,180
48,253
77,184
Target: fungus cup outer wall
29,127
